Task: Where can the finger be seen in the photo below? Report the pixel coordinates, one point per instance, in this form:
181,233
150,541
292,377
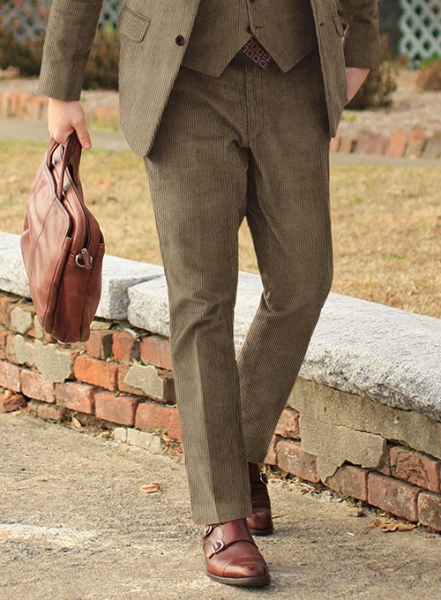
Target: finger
83,136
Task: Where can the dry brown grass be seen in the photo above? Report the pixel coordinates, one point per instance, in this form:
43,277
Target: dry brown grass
387,222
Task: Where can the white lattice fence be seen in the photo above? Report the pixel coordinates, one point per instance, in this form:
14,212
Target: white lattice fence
27,18
420,26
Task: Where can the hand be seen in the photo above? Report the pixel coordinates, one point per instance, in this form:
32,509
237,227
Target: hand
64,118
355,78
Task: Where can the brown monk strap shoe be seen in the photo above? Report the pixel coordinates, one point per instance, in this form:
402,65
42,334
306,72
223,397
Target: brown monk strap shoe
260,522
232,556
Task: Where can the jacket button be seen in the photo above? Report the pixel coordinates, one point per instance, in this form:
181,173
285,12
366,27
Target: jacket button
180,40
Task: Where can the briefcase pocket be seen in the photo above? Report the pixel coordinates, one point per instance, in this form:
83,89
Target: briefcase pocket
132,24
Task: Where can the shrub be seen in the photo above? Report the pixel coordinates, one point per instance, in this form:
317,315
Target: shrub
102,68
377,90
26,56
429,78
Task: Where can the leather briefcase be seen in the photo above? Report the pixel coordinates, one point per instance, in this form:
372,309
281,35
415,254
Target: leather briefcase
62,246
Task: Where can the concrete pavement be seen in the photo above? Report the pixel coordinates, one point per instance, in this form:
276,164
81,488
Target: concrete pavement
74,525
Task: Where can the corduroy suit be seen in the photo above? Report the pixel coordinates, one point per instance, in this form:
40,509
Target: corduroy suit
223,140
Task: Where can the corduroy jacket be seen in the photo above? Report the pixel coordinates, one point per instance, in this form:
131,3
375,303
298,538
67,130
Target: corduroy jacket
154,37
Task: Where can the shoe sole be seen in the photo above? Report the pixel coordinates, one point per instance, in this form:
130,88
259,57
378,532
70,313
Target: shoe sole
262,532
242,581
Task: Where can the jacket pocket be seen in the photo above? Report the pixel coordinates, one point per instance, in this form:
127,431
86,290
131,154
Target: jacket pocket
340,25
132,24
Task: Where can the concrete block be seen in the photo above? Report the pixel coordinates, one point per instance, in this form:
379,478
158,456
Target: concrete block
360,413
380,352
119,274
23,350
142,439
249,291
22,319
55,364
145,378
148,306
120,434
334,445
13,276
433,146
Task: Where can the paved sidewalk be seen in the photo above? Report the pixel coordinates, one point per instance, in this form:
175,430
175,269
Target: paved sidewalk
75,526
22,129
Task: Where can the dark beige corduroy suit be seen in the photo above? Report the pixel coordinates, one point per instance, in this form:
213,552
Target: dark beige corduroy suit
223,140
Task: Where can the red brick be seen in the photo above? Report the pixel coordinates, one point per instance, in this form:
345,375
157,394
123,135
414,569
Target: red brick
8,403
125,347
10,377
156,351
399,142
335,143
116,409
372,143
384,464
36,386
169,388
416,468
293,459
350,481
393,495
154,416
7,304
271,455
288,425
416,145
429,510
76,396
3,340
96,372
48,412
99,344
348,143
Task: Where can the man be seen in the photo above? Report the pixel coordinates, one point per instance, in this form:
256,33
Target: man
232,105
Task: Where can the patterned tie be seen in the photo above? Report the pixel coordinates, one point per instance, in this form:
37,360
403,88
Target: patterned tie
257,53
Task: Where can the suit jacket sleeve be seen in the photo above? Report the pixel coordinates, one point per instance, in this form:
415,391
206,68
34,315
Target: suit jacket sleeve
69,38
361,42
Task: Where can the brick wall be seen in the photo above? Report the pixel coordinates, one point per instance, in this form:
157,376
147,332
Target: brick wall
123,379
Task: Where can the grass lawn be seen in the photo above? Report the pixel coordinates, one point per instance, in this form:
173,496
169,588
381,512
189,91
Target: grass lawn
386,221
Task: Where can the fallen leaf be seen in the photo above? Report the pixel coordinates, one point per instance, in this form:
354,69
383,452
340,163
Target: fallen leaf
388,526
277,516
76,423
150,488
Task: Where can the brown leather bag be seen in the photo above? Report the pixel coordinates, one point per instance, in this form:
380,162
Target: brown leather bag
62,246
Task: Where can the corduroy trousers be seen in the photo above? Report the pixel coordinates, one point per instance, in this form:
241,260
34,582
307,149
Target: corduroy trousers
250,144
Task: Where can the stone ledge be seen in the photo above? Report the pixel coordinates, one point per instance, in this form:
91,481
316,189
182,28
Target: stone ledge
118,275
366,349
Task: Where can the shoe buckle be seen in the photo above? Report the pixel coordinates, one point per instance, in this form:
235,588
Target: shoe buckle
263,478
207,530
217,547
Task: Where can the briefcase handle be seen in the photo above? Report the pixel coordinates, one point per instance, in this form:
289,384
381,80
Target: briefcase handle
70,155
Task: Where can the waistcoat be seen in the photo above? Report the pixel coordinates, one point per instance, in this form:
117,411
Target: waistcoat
285,28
